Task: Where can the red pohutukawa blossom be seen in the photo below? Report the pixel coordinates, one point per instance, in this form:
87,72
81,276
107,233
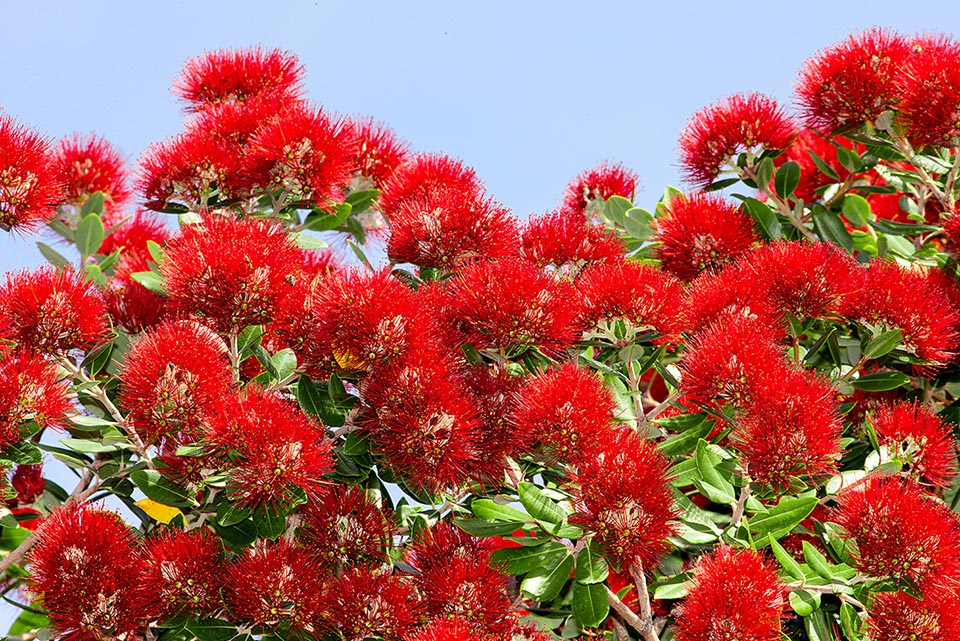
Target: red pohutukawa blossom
563,238
28,482
131,236
378,151
898,616
852,82
423,421
733,292
622,493
591,188
278,585
86,568
344,527
131,305
495,392
929,91
899,532
420,175
227,272
238,75
182,574
735,594
471,589
920,439
898,297
510,304
444,228
30,185
448,629
738,123
89,164
172,379
373,603
808,280
52,311
30,390
701,232
792,430
276,455
303,153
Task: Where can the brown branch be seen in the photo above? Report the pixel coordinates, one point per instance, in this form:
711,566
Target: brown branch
645,628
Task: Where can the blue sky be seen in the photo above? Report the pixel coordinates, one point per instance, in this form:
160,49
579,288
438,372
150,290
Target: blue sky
528,93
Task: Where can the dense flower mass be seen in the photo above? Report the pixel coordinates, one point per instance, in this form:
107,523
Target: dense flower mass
30,390
30,186
929,92
344,527
423,174
562,238
183,573
920,439
89,164
590,189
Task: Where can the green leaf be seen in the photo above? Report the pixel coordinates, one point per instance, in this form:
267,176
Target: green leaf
706,466
27,622
157,488
25,453
676,587
356,445
824,168
804,602
615,209
787,562
90,423
856,209
360,255
849,159
765,217
269,522
284,363
545,582
786,179
687,439
55,258
12,537
590,604
829,227
489,510
309,241
637,223
93,205
817,562
484,528
591,567
850,621
88,446
881,381
150,280
90,235
539,506
882,344
780,519
765,172
212,629
156,251
524,559
229,513
361,200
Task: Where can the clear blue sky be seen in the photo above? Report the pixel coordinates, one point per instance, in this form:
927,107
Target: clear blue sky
528,93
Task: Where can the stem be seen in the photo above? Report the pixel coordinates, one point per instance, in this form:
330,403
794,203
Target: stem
827,589
234,346
619,631
643,596
740,506
856,368
782,207
645,628
664,404
637,398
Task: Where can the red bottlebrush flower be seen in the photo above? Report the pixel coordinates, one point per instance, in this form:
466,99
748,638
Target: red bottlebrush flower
238,75
791,430
445,228
232,124
736,594
277,456
189,171
563,408
811,177
378,153
510,304
182,574
423,421
88,164
344,527
30,186
29,483
433,547
898,616
900,533
916,436
702,232
278,586
172,379
421,175
590,189
471,589
495,391
730,362
929,92
808,280
896,297
30,389
52,311
734,292
131,305
567,239
852,82
448,629
229,272
131,237
738,123
304,153
622,493
86,568
369,603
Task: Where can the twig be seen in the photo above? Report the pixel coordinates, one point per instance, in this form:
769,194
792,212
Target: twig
664,404
620,631
740,506
645,628
827,589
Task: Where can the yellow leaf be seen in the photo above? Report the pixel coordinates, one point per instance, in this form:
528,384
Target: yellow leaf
159,511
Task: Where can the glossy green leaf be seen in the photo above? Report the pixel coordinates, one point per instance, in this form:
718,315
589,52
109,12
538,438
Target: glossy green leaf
24,452
706,462
780,519
882,344
590,604
54,257
484,527
544,583
849,159
150,280
230,513
491,511
856,209
829,227
880,382
697,427
90,235
93,205
786,179
539,506
787,562
212,629
591,567
817,562
804,602
157,488
524,559
765,217
824,168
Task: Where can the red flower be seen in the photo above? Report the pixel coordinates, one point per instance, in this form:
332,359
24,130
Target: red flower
916,436
229,272
277,456
89,164
303,153
30,390
370,603
172,379
30,186
238,75
52,311
736,594
378,152
433,547
131,305
421,175
443,228
792,430
563,408
182,574
852,82
590,189
738,123
278,586
512,305
900,533
495,392
701,232
622,493
131,236
29,484
567,239
897,297
344,527
733,292
929,106
448,629
469,589
232,124
86,568
898,616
